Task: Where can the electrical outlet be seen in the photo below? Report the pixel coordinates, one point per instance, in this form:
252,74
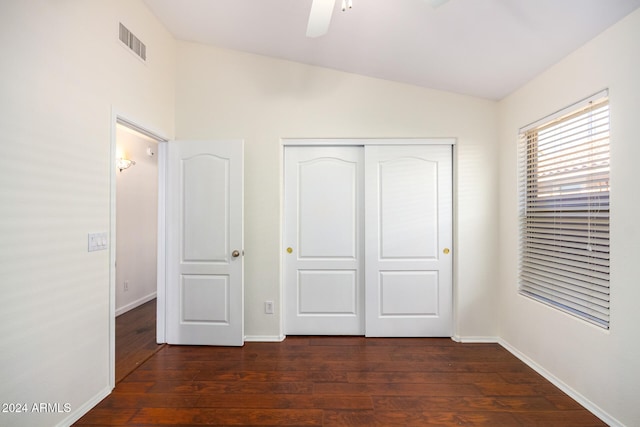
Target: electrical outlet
126,285
268,307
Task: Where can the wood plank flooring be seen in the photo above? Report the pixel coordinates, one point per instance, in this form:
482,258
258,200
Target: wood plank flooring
135,338
332,381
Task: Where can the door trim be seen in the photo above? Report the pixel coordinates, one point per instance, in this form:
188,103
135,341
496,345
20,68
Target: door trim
119,117
366,141
161,275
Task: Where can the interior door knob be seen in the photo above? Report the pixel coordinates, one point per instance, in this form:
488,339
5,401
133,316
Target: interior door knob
235,254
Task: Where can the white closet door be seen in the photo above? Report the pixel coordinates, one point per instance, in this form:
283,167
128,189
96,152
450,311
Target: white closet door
408,218
204,243
323,234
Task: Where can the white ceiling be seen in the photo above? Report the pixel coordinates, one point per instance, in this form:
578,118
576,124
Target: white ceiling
484,48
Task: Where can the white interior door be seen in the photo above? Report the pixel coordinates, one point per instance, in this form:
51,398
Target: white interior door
323,235
408,218
204,243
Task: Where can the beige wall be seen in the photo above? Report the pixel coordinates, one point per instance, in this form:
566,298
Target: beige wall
137,221
602,366
226,94
63,71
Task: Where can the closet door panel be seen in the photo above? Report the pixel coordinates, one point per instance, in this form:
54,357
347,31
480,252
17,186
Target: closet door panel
323,239
408,236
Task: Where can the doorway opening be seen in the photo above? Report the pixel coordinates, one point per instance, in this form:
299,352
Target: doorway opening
134,248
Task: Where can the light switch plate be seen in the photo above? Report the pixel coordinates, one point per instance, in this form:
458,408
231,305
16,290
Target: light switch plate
97,242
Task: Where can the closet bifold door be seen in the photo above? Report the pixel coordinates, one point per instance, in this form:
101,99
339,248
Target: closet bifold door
408,238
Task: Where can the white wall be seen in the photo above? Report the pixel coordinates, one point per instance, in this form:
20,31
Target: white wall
63,70
137,221
601,366
227,94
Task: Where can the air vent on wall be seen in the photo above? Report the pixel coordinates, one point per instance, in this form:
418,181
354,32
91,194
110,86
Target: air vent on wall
132,42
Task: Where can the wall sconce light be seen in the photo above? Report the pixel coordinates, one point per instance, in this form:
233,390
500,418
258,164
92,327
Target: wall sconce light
122,163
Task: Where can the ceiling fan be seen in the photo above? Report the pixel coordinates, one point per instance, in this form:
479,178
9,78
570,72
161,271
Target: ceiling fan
321,11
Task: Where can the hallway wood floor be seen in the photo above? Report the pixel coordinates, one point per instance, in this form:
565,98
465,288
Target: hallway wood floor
135,338
331,381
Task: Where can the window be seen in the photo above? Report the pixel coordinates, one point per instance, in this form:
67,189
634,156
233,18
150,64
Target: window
564,205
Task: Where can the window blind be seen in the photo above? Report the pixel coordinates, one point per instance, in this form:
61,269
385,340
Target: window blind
564,220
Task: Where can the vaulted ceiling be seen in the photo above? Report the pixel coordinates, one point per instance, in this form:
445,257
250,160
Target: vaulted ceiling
483,48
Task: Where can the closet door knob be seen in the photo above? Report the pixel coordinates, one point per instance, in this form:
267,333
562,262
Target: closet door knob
235,254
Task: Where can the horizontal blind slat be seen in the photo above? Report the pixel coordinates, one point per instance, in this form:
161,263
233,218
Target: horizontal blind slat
566,231
583,304
570,247
581,256
585,240
568,262
601,313
578,272
565,279
600,320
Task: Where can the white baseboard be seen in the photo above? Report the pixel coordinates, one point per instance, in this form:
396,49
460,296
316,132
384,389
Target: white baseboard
79,412
264,338
135,304
590,406
475,339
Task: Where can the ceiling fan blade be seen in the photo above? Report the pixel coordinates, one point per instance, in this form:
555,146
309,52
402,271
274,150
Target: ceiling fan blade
436,3
320,17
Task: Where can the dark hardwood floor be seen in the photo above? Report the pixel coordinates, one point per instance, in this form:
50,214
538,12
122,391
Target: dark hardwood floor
326,381
135,338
